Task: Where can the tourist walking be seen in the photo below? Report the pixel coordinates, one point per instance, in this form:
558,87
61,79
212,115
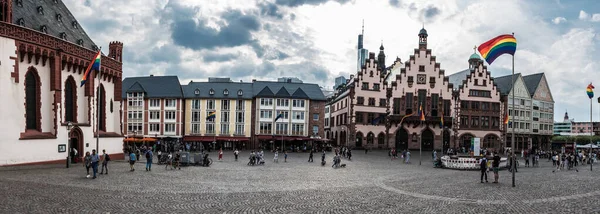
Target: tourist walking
220,154
407,157
149,160
349,154
87,163
132,158
276,157
236,153
496,167
483,168
285,156
310,156
105,159
95,161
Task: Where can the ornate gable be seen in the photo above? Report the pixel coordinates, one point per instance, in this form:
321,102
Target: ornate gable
543,92
478,80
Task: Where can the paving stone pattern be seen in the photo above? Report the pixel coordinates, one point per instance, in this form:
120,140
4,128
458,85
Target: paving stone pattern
371,183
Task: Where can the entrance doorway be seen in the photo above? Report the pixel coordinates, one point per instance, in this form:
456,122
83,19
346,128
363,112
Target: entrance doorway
76,144
359,138
401,139
427,140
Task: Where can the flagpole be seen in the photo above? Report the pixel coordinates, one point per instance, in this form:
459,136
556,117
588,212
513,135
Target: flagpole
591,133
421,143
512,136
98,106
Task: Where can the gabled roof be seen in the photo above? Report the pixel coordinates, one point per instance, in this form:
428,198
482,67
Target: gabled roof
154,86
265,92
457,78
282,93
504,84
189,90
312,91
136,87
28,11
299,94
532,82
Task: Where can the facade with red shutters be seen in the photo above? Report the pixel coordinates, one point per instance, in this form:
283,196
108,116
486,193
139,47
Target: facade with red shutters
45,55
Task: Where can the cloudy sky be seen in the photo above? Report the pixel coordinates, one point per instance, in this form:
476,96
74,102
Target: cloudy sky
315,40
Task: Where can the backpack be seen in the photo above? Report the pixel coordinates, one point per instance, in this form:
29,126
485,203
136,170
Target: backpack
148,155
107,158
483,163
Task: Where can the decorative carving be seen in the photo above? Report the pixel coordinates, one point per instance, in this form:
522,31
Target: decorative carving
421,79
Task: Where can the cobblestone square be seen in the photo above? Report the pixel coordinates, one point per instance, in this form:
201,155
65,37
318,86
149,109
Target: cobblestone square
371,183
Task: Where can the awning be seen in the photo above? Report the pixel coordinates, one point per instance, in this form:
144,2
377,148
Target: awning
234,138
148,139
199,138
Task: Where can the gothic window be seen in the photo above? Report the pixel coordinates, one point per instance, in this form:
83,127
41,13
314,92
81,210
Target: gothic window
381,138
101,106
370,138
32,100
422,98
70,100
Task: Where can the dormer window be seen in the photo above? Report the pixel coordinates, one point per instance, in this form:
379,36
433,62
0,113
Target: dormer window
44,29
20,3
40,10
75,25
211,92
240,93
63,35
21,22
80,42
197,92
59,17
225,92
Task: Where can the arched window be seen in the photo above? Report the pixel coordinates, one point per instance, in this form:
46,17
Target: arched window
102,107
70,100
32,100
381,138
370,138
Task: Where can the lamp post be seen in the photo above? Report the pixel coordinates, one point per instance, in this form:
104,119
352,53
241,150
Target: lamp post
69,127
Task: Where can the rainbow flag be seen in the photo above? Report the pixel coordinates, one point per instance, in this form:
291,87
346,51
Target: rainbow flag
590,91
421,113
211,115
94,65
503,44
442,119
506,118
405,116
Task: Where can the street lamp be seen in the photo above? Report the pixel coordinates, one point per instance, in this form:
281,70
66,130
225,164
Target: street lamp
69,127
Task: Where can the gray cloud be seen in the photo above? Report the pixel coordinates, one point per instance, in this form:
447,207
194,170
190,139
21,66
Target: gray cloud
166,53
270,9
430,12
395,3
215,57
194,33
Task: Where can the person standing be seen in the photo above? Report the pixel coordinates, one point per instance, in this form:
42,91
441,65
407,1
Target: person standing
276,157
496,167
95,161
434,155
132,158
87,163
236,153
220,154
483,168
284,156
310,156
105,159
149,160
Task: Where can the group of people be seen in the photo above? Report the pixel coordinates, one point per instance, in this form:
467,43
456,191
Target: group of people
485,165
92,160
405,155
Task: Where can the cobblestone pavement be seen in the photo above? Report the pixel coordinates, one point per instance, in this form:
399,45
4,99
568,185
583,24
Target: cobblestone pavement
370,183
